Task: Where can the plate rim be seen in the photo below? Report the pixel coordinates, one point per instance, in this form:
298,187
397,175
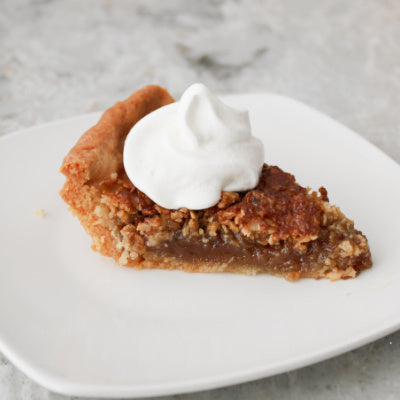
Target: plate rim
63,386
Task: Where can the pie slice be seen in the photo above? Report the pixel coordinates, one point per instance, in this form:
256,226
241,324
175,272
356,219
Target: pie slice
278,228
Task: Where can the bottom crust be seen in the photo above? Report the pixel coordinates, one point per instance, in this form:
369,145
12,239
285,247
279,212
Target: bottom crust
173,263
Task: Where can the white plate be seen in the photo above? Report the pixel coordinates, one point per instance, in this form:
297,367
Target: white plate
80,325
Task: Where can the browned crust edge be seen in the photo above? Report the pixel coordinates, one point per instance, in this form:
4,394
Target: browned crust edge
97,155
99,150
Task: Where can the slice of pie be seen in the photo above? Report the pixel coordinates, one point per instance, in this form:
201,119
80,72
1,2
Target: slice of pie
278,228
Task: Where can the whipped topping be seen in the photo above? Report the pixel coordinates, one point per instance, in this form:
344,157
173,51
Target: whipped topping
186,153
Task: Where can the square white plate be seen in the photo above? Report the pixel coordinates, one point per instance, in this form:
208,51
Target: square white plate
79,324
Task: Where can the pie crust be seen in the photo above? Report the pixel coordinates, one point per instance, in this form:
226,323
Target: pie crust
278,228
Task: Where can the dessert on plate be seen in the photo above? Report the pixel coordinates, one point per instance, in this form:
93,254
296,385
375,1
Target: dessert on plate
159,184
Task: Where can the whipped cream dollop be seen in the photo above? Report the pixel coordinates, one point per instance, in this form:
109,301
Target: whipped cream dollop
186,153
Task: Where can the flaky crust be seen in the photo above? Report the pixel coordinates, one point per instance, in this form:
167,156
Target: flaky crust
290,224
98,153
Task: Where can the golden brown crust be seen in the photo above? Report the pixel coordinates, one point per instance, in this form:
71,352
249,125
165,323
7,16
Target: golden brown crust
279,227
98,153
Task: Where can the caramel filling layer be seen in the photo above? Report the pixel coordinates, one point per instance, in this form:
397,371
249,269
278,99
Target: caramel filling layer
277,259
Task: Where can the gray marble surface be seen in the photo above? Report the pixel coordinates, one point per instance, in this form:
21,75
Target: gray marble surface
63,58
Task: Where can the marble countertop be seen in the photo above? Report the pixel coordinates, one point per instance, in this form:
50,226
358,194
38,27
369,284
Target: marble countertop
63,58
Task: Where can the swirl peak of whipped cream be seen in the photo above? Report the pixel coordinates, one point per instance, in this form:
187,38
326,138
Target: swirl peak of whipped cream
186,153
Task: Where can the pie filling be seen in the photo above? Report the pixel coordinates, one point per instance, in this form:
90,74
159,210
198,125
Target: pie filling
279,228
279,259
